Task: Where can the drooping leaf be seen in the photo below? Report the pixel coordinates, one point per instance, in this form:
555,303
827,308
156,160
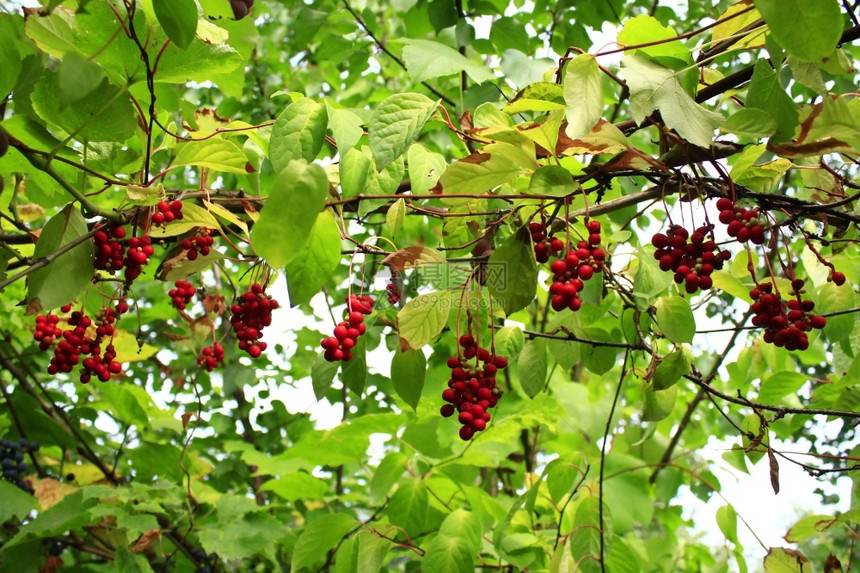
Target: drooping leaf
790,22
765,93
425,167
583,95
285,224
408,506
422,319
318,537
532,366
653,86
658,403
511,272
395,124
675,318
727,521
394,216
298,133
354,169
553,181
322,375
674,365
65,277
178,18
783,560
213,153
408,369
309,272
645,29
426,59
345,125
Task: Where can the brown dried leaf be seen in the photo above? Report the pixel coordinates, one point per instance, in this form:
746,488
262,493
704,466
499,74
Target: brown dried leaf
214,303
146,540
186,417
832,564
411,257
774,470
50,492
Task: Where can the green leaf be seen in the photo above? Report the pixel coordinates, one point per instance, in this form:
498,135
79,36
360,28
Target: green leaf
297,485
16,502
782,560
64,278
394,216
124,406
809,526
675,318
386,475
645,29
507,33
508,341
728,283
750,122
354,168
312,269
408,369
198,62
345,125
10,62
78,78
792,21
213,153
553,181
585,539
780,384
448,555
71,512
658,403
425,167
765,93
727,520
284,227
532,366
653,86
298,133
426,59
354,371
193,217
832,298
597,358
649,280
408,506
673,366
395,124
583,95
422,319
485,170
178,18
318,537
511,272
322,375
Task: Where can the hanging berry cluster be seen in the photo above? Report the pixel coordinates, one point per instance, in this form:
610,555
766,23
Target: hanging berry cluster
211,357
693,261
742,224
137,255
109,252
472,389
785,323
167,213
197,245
346,333
544,245
250,315
576,266
180,297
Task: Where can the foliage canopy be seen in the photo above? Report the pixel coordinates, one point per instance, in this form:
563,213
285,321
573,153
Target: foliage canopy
536,275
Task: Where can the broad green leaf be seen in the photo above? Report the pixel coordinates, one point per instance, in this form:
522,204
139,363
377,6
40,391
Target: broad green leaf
298,133
448,555
649,281
809,526
425,167
107,114
783,560
658,403
673,366
561,477
731,284
791,21
675,318
780,384
484,170
178,18
345,126
727,520
71,512
78,78
354,168
766,93
507,33
464,525
123,406
585,539
553,181
63,279
750,122
53,33
385,182
319,536
832,298
322,375
532,366
597,358
394,216
408,507
653,86
408,368
521,69
198,62
583,95
213,153
627,492
298,485
395,124
284,229
621,558
354,371
16,502
10,62
426,59
386,474
488,115
422,319
508,341
645,29
511,272
129,562
314,267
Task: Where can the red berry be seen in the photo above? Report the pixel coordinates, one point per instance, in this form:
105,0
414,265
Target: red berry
838,278
466,433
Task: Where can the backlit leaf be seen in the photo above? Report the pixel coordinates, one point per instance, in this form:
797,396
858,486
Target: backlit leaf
422,319
583,95
790,22
532,366
511,272
408,369
426,59
395,124
214,153
675,318
178,18
298,133
309,272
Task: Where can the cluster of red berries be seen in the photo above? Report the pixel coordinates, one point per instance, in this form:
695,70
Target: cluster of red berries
212,356
197,245
472,389
743,224
693,261
77,341
544,245
346,333
137,255
576,266
181,296
394,293
250,316
167,212
109,252
785,322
